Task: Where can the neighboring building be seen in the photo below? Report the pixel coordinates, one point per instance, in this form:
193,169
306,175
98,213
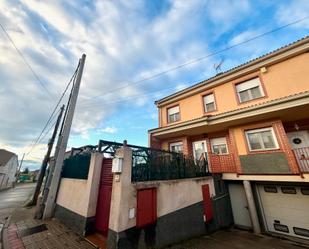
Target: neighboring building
252,125
34,174
8,168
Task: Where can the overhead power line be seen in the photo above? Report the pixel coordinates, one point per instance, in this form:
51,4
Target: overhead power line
199,59
26,62
150,93
53,114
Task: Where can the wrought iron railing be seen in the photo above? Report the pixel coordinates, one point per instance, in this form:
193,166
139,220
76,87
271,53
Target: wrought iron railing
152,164
302,157
149,164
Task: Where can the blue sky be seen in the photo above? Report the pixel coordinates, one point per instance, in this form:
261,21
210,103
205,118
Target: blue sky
125,42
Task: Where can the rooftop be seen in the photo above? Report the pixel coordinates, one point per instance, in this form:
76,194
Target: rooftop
237,68
5,156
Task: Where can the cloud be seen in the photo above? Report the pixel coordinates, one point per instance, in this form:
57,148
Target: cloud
125,42
292,11
108,129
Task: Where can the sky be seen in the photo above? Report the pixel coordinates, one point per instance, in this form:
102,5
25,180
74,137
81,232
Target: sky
126,43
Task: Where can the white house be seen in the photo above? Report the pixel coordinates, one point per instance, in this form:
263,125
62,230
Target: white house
8,168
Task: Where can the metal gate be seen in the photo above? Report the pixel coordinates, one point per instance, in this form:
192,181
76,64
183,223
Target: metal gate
104,197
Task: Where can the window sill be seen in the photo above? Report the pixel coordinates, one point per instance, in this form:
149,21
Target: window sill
173,122
251,100
265,151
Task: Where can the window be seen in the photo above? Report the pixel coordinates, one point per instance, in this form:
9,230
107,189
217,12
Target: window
173,114
281,228
304,191
219,146
261,139
209,102
176,147
288,190
250,89
301,231
270,189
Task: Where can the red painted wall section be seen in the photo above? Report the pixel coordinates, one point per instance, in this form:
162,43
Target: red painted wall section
146,207
207,203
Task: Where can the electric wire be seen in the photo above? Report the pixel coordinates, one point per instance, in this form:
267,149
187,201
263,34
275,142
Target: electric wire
199,59
26,62
53,112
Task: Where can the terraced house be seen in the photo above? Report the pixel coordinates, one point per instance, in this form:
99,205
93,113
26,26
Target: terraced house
251,124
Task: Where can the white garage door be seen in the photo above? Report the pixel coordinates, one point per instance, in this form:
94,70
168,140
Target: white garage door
286,209
239,206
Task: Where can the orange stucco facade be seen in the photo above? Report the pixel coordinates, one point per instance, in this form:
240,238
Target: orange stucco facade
285,78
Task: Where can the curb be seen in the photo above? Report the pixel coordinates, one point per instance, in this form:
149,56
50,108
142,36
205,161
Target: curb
4,234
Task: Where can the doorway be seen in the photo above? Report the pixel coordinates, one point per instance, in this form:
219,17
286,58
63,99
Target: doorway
104,197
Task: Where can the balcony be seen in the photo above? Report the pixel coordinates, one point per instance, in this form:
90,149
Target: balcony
302,158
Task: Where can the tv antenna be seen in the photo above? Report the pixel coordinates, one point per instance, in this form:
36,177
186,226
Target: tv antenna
217,67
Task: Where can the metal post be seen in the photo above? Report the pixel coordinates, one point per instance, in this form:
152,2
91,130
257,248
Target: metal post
52,193
46,158
252,208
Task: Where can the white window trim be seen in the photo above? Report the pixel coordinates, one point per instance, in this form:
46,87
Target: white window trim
261,130
259,84
212,144
175,144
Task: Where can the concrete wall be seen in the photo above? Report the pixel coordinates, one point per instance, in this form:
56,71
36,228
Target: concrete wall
179,210
78,198
280,80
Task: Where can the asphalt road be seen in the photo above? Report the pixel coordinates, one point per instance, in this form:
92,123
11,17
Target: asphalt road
13,198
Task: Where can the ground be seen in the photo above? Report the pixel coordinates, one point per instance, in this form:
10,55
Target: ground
57,235
236,239
14,198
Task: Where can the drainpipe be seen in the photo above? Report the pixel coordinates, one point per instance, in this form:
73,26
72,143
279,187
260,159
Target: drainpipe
252,207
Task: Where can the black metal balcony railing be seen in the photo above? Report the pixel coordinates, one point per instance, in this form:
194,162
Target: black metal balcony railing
149,165
302,157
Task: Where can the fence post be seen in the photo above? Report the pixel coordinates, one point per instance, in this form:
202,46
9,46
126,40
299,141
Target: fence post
123,199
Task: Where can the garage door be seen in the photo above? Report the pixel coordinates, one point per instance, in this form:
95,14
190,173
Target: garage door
286,209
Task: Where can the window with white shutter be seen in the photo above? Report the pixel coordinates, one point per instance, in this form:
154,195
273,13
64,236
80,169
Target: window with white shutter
209,102
173,114
250,89
219,146
176,147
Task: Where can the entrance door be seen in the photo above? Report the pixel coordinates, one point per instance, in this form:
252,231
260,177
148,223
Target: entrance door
299,141
200,151
104,198
239,206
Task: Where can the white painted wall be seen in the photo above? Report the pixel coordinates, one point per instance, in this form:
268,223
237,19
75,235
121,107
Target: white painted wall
80,196
8,171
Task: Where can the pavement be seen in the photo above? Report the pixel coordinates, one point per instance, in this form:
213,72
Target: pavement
237,239
13,198
21,231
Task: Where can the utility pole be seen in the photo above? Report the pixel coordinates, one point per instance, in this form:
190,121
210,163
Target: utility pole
46,159
19,167
56,174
